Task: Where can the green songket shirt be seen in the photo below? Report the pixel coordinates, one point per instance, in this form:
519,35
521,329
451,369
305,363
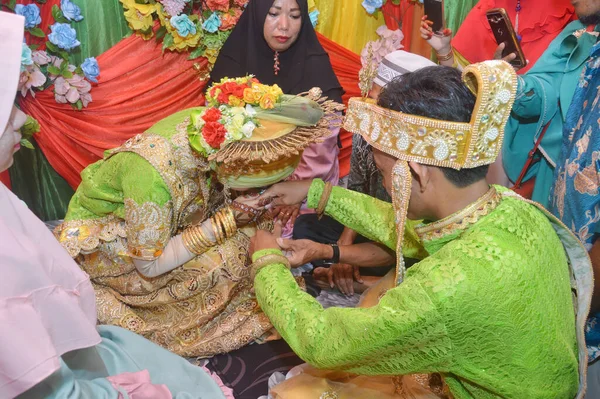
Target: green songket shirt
489,306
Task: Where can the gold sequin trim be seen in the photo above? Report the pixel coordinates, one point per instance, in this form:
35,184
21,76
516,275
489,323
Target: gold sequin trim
84,236
443,143
148,228
461,220
401,185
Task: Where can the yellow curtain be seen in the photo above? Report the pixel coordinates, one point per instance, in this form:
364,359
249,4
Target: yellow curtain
347,23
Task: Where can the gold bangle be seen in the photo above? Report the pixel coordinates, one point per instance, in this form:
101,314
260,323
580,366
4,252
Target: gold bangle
445,57
224,230
216,230
200,238
267,260
228,218
191,242
324,200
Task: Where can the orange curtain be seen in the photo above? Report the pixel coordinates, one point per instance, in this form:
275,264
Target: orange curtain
138,86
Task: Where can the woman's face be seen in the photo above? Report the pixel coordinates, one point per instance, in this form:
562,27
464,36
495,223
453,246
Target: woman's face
282,25
10,138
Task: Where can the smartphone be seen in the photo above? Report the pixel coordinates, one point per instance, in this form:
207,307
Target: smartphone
434,9
505,33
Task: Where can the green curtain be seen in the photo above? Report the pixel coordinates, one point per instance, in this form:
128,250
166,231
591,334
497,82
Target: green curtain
456,11
33,179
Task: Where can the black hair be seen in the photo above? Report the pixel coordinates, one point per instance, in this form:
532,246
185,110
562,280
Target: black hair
435,92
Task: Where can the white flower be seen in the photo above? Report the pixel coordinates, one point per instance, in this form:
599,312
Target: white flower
250,111
248,129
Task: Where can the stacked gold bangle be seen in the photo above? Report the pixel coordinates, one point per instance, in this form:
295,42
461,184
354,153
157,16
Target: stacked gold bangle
267,260
223,226
324,200
195,240
445,57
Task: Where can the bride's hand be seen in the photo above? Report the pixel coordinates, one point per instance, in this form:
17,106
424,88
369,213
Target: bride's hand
246,209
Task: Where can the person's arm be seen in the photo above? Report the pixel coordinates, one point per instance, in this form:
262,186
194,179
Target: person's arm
403,334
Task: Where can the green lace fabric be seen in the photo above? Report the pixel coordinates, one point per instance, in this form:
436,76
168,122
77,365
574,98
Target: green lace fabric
490,308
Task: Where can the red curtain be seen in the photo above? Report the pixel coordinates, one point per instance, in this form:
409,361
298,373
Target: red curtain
138,86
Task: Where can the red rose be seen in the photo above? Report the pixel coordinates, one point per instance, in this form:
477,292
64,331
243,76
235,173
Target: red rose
212,115
229,87
239,91
214,134
223,98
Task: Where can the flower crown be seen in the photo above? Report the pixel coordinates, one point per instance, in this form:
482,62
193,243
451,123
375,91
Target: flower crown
231,116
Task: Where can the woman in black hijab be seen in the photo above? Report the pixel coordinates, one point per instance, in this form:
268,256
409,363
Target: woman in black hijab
276,42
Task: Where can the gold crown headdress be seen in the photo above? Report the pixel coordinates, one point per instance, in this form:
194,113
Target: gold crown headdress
435,142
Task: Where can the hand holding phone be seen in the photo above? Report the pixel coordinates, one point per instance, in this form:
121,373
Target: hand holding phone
434,10
504,33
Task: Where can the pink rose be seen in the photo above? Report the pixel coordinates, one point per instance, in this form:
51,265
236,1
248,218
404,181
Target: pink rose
218,5
31,77
41,57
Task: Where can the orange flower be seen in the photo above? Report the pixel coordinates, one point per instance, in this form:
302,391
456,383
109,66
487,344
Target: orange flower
249,96
268,101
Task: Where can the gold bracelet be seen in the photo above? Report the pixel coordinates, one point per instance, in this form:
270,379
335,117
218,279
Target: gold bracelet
200,238
225,229
267,260
324,200
228,218
445,57
217,230
191,242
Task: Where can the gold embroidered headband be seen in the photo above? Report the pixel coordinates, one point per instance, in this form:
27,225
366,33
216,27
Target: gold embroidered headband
443,143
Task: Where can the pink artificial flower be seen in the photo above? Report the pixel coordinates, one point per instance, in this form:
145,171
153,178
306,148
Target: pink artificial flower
41,57
173,7
31,77
393,37
72,90
218,5
228,21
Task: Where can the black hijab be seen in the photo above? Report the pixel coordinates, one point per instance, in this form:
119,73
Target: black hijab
303,66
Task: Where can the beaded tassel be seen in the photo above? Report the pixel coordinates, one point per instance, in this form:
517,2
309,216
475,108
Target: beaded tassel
518,10
276,64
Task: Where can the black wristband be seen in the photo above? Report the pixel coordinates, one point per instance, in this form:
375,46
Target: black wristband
335,259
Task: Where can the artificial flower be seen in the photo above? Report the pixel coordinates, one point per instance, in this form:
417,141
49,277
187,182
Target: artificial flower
91,69
218,5
250,96
212,115
63,36
31,77
214,134
139,16
236,101
72,90
212,24
70,10
248,129
41,57
268,101
181,43
31,12
314,17
184,25
240,3
229,20
372,5
173,7
211,55
26,57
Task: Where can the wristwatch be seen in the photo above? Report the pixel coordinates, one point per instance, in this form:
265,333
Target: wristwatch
335,259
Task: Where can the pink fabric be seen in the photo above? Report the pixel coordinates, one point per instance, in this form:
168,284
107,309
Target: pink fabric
138,386
11,32
47,303
228,392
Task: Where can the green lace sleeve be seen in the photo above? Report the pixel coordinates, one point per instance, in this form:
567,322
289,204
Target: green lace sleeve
148,208
370,217
403,334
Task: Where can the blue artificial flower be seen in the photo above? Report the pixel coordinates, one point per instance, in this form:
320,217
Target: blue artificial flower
372,5
314,17
31,12
212,24
26,57
70,10
63,36
90,69
184,25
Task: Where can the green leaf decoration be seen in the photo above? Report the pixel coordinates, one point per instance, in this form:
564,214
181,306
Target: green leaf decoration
160,33
67,74
168,41
54,70
27,144
58,15
41,1
37,32
79,105
11,4
197,53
